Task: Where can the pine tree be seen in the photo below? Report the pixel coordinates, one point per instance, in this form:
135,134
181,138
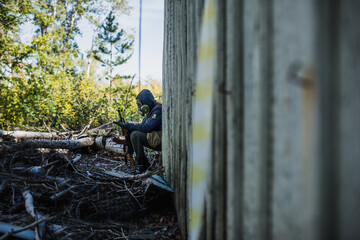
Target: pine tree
114,47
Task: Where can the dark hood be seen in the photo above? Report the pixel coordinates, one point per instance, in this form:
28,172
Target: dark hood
146,98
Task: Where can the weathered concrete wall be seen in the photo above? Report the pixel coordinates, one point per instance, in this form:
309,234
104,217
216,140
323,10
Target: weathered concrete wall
294,182
257,100
286,120
181,30
349,117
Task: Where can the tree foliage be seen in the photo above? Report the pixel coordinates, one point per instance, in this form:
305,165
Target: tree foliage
44,81
114,47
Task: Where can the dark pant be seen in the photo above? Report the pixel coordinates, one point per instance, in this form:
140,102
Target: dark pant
137,142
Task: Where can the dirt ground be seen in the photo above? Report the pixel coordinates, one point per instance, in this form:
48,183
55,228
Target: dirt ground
70,189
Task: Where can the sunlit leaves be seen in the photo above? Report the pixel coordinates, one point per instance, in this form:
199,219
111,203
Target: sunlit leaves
43,81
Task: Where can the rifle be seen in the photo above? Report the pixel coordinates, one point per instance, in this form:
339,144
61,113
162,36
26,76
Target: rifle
127,142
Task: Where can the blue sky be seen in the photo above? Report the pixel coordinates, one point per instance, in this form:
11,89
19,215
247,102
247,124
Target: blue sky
151,39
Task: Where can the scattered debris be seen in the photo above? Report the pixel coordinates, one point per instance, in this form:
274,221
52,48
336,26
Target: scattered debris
80,193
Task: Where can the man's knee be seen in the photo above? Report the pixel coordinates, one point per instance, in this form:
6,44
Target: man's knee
136,136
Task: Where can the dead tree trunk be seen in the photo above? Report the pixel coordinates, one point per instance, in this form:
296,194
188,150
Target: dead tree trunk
30,135
108,144
61,144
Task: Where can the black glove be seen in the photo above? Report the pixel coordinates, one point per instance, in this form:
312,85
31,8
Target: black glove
120,123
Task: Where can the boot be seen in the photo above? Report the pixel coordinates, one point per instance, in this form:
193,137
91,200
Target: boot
144,165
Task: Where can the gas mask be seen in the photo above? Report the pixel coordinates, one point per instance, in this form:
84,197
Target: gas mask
144,109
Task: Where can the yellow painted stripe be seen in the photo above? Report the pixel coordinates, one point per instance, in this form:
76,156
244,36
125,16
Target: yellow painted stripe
209,12
206,50
203,91
195,218
200,132
198,175
202,117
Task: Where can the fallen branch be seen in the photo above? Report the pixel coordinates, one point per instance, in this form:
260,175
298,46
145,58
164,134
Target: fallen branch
103,142
29,203
62,193
85,208
102,126
15,229
77,158
127,176
64,128
106,143
30,135
61,144
132,195
109,144
86,128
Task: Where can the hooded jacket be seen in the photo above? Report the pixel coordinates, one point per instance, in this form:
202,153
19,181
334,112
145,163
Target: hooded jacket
153,120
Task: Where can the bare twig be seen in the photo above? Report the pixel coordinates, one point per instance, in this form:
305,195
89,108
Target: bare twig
12,231
58,195
132,194
126,176
77,158
102,126
64,128
29,203
3,185
86,199
85,129
49,130
123,234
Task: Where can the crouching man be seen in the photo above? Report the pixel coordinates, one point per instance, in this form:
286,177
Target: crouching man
148,132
